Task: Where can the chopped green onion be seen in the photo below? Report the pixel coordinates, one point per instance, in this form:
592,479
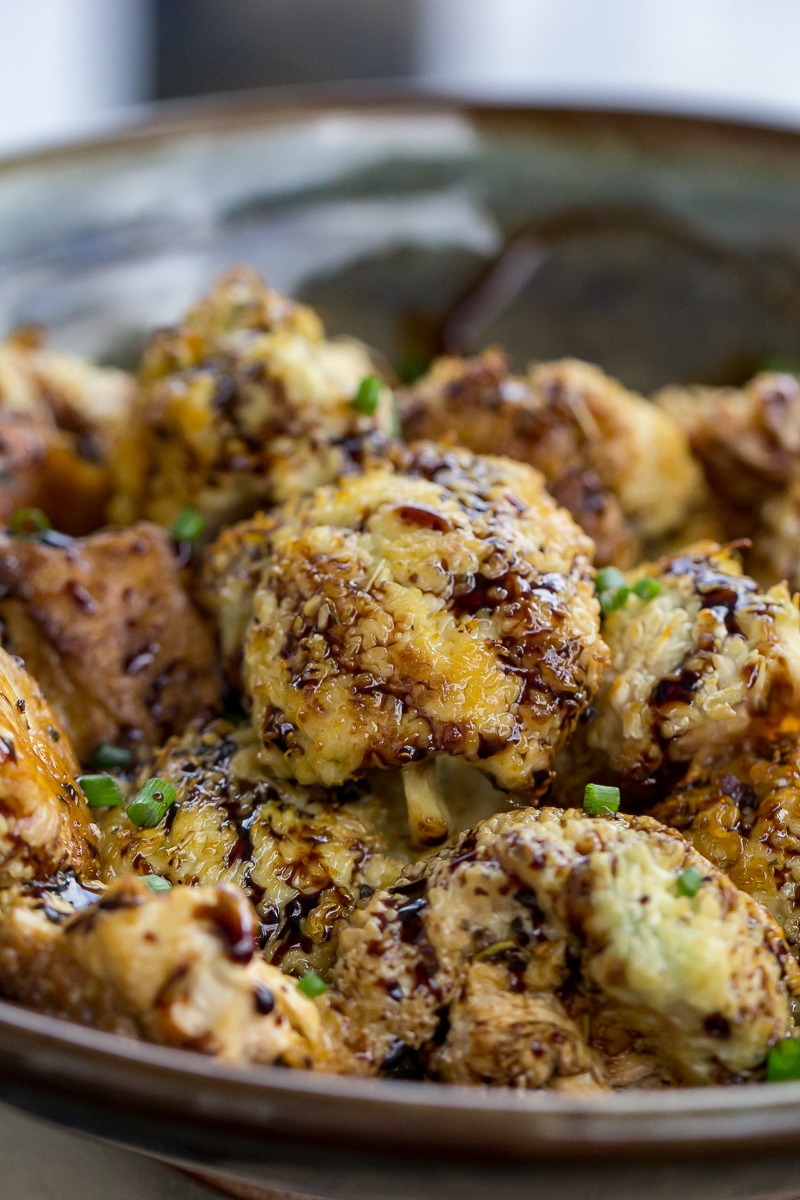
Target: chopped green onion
106,754
311,985
368,396
646,588
150,804
609,577
101,791
613,599
600,801
689,881
28,520
494,949
157,883
783,1060
188,525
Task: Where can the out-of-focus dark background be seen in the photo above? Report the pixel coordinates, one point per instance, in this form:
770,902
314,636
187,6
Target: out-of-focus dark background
68,66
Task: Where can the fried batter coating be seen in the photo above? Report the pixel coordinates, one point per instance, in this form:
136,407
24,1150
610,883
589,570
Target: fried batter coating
231,571
748,441
106,627
302,855
692,667
59,418
180,969
740,807
594,952
243,404
621,467
44,822
438,603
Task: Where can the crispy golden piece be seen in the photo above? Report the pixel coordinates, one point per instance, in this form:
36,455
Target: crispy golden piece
439,603
748,440
231,572
692,667
179,969
106,627
741,809
621,467
44,821
571,931
243,404
302,855
59,419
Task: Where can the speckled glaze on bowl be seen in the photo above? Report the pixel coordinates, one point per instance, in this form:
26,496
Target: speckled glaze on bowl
666,248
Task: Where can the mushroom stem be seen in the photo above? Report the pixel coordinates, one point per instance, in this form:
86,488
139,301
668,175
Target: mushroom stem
428,818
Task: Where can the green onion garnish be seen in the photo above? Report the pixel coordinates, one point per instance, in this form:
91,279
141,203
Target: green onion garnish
368,396
150,804
101,791
600,801
311,985
157,883
783,1060
689,881
28,520
613,599
646,588
609,578
106,754
188,525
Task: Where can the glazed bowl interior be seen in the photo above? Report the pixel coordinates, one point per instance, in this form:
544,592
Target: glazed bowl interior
663,248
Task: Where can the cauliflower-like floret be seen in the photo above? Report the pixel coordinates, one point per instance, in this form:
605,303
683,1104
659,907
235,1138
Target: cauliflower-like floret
596,953
621,467
302,855
693,666
748,440
244,404
181,969
59,418
231,571
740,807
105,625
439,603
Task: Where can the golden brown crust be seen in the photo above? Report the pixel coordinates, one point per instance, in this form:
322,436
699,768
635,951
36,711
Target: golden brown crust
241,405
44,821
586,910
59,416
302,855
622,468
692,667
180,969
439,603
105,626
740,807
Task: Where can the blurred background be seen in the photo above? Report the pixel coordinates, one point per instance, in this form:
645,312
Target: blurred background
72,66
